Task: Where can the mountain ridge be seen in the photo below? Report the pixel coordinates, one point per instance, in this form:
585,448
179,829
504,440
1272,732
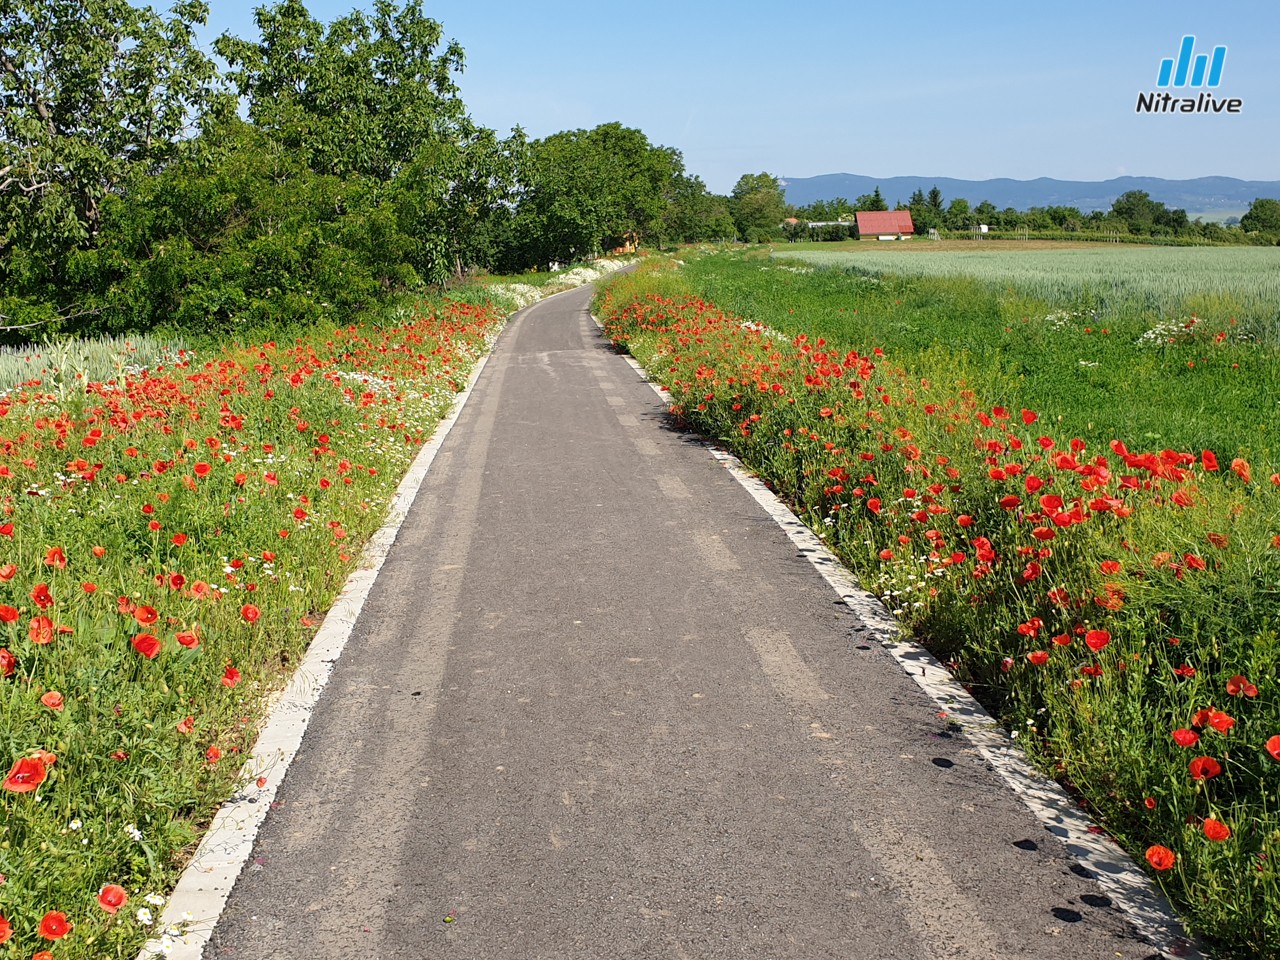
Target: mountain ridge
1197,195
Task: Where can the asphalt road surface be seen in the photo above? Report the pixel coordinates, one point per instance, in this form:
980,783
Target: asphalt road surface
598,707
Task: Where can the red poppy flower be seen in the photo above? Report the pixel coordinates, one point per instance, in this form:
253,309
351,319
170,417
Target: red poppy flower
8,614
1222,722
1038,657
1273,747
1091,670
52,700
201,469
1209,460
1109,566
99,551
250,613
1241,469
179,539
89,587
1161,858
1149,803
1216,830
186,724
41,595
189,638
231,677
1097,639
213,754
1186,670
147,645
42,955
112,897
1186,738
1204,768
8,662
145,615
25,775
54,925
1062,639
41,630
54,557
1239,685
8,571
6,929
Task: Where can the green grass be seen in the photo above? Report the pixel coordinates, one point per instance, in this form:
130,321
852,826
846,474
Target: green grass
1128,364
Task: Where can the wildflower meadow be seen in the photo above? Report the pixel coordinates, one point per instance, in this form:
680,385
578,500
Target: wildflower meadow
174,523
1115,603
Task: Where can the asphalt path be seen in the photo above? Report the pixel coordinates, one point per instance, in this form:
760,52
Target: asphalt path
597,706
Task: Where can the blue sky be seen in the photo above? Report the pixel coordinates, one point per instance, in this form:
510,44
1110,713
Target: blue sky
975,91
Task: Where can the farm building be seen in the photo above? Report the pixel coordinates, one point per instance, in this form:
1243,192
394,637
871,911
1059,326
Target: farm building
885,223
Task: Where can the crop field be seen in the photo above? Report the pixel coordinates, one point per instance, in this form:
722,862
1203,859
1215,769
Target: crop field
1199,374
1110,593
1154,281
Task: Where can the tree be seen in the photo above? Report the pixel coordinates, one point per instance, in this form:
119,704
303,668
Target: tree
985,212
758,205
449,195
1263,216
871,201
1136,210
593,189
361,96
91,90
934,199
694,214
959,216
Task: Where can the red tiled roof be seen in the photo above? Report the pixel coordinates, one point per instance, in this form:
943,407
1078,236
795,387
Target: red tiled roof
872,222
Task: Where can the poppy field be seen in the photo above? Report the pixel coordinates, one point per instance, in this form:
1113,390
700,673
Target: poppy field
1114,601
170,538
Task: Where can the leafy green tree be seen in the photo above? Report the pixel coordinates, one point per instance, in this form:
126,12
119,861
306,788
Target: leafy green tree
985,212
1263,216
362,95
589,190
1136,210
934,199
91,90
958,216
871,201
827,211
694,214
758,205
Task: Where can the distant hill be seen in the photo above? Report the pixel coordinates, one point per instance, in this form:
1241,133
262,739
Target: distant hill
1201,195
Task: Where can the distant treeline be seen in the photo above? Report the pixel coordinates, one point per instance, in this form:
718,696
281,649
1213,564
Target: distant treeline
1133,215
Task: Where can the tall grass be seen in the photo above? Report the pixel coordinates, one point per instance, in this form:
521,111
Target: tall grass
1161,379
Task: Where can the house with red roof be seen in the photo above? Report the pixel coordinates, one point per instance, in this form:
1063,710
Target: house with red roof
885,223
